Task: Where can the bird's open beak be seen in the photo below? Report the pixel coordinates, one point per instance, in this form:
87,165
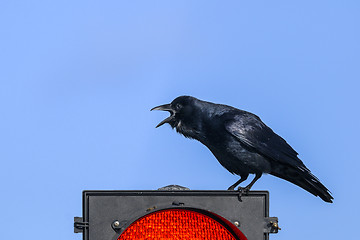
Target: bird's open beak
165,107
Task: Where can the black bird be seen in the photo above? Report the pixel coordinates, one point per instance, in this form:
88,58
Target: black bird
241,142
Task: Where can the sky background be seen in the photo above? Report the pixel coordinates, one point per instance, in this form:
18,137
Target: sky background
78,79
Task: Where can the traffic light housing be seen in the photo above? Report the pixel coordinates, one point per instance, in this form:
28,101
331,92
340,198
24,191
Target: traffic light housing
175,213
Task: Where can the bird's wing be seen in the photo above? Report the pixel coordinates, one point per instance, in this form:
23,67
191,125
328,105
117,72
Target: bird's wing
255,135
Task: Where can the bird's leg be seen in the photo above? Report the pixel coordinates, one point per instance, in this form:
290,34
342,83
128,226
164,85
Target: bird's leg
248,187
242,178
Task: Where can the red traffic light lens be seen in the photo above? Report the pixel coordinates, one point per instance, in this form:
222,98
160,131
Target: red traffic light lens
179,224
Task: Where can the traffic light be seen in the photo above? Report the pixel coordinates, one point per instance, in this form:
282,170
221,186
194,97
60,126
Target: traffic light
174,212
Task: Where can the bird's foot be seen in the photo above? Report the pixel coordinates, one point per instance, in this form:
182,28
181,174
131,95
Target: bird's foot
242,190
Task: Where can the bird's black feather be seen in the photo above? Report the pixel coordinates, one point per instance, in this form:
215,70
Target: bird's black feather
251,131
241,142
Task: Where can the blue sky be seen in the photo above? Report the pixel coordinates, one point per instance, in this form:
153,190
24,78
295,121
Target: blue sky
78,79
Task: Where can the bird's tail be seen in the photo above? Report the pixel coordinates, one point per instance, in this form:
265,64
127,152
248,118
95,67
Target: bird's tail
303,178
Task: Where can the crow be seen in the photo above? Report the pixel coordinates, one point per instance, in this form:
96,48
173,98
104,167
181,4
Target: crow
241,143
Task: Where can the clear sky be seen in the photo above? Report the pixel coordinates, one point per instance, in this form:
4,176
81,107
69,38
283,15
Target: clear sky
78,79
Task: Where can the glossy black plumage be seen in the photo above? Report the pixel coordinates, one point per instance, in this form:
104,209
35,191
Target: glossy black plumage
241,142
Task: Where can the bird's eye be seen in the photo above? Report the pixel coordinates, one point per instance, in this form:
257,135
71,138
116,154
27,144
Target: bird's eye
178,106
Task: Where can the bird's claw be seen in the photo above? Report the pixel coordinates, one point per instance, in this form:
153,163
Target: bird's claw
242,190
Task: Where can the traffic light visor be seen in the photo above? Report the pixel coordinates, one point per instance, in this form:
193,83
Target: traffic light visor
181,224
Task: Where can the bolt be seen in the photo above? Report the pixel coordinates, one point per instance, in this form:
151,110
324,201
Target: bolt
275,225
116,223
237,223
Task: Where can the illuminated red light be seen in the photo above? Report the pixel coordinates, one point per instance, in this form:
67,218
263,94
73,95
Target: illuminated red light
179,224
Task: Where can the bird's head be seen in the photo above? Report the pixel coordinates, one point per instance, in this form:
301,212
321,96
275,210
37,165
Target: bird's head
184,114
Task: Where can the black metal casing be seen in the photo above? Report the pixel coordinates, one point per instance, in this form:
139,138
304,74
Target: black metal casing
101,209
